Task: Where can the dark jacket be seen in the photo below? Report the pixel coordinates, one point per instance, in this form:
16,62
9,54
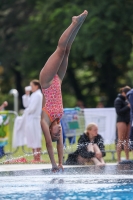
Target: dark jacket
122,109
130,99
82,149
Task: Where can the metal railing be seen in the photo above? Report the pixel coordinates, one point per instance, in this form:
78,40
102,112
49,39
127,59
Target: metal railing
7,118
73,125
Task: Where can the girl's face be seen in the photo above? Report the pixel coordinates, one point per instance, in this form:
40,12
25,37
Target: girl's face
55,131
93,132
33,87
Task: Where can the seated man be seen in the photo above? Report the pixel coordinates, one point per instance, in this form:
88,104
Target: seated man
90,148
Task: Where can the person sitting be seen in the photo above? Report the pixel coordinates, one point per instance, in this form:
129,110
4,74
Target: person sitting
90,148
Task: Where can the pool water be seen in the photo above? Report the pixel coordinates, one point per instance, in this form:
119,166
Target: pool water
103,184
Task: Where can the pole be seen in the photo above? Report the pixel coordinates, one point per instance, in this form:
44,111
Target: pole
14,92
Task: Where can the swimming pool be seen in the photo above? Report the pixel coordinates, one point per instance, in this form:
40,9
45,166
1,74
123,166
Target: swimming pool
91,182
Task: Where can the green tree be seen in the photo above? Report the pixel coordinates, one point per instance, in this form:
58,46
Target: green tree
98,63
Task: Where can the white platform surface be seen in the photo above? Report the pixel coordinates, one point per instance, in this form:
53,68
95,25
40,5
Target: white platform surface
15,167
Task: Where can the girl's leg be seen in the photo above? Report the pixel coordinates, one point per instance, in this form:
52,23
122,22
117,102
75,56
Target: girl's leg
99,153
97,150
62,69
90,147
81,160
34,154
96,161
53,64
126,142
121,128
37,154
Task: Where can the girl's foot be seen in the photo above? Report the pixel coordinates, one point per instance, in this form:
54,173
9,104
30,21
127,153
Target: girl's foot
97,162
102,161
79,18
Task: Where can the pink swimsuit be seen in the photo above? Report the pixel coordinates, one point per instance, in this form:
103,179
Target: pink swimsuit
53,106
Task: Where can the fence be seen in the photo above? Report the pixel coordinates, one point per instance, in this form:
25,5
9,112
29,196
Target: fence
73,124
6,129
75,121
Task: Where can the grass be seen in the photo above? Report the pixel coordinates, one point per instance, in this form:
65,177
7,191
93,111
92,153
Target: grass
27,153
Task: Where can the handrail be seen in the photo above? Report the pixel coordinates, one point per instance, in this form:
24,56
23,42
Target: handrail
8,112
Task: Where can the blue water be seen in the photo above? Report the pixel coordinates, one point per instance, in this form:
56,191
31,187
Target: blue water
67,187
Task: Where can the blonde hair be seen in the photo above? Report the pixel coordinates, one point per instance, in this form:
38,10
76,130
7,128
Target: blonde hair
89,127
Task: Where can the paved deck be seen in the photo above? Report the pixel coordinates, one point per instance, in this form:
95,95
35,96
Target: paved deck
17,167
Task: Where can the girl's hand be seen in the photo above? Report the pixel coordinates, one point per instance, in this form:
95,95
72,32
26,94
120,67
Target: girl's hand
55,168
60,166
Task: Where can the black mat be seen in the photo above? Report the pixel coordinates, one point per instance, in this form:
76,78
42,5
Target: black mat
126,162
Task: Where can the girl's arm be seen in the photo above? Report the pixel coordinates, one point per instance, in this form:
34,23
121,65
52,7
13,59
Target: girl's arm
60,150
49,146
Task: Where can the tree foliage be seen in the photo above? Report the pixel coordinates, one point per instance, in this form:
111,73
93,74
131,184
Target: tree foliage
100,55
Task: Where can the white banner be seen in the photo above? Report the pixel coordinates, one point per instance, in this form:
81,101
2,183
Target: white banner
105,118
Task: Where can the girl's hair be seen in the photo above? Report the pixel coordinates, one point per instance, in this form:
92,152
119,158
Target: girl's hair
36,82
125,89
89,127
